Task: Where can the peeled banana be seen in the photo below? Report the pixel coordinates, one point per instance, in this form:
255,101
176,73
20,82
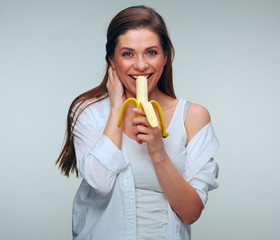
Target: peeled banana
141,101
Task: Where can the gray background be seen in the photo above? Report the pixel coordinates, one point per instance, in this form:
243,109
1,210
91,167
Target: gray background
227,59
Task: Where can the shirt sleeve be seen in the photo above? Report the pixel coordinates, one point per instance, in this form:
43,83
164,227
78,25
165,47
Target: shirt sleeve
98,159
201,171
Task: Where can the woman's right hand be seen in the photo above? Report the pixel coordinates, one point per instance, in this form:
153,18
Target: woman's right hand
117,97
115,89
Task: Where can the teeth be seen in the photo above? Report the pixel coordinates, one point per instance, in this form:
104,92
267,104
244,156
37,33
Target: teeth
135,77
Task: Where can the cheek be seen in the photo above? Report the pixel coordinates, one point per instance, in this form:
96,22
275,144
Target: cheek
121,71
159,67
159,63
123,67
118,64
121,63
119,68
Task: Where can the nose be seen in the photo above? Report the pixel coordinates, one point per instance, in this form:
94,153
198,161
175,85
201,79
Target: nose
141,64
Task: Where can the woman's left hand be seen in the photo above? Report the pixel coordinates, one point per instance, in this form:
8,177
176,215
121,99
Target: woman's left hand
143,132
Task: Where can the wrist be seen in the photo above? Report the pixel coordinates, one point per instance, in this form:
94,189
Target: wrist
115,111
112,131
159,157
116,105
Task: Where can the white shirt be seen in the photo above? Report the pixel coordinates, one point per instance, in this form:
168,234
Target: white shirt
104,206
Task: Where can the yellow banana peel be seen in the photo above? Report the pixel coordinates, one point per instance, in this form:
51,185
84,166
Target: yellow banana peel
141,101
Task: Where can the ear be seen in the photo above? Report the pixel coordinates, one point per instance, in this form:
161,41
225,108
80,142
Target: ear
165,59
112,63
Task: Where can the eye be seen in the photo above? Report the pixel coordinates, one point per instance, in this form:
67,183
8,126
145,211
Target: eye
127,54
152,52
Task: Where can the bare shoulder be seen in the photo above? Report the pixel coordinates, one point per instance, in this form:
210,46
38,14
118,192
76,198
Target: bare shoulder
197,118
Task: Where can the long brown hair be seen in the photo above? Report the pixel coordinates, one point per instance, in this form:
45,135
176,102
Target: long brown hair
129,18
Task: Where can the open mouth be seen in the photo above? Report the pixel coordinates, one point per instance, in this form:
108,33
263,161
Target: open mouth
138,75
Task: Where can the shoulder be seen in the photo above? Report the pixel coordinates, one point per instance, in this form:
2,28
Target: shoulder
197,118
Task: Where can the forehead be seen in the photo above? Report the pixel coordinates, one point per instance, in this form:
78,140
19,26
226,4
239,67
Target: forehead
138,38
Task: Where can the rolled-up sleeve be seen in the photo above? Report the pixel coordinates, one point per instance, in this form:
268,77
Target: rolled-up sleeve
106,152
98,159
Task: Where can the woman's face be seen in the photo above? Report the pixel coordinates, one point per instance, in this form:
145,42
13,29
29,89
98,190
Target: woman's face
138,53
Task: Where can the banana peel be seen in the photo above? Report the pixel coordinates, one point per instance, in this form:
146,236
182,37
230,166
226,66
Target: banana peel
141,101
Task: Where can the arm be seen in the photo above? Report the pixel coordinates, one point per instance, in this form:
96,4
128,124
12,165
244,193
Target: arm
117,97
182,197
99,158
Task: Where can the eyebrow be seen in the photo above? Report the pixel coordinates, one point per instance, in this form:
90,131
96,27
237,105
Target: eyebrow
132,49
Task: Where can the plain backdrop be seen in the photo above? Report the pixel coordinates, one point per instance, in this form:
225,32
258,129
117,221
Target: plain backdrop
227,59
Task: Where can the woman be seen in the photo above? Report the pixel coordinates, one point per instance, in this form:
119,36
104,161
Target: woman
137,185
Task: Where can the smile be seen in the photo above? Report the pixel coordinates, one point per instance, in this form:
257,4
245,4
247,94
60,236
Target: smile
143,75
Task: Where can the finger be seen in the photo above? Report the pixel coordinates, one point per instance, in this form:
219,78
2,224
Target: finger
153,139
139,111
114,73
141,120
110,77
140,138
140,129
110,73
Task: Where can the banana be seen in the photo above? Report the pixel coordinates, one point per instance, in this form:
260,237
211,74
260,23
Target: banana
141,101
